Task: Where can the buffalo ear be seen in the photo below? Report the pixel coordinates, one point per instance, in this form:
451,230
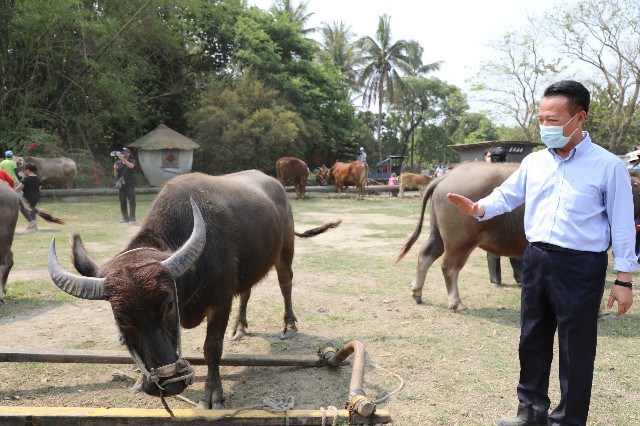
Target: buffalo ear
80,258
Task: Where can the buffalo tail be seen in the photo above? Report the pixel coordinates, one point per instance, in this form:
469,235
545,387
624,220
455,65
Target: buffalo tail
414,237
319,230
46,216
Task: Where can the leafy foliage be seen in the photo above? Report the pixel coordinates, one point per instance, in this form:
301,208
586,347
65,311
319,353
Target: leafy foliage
246,126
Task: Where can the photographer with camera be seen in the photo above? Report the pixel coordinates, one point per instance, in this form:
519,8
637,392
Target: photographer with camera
126,184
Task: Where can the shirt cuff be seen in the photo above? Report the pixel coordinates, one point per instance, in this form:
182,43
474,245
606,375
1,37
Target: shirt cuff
625,265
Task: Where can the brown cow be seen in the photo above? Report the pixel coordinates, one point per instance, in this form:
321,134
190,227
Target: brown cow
294,169
414,180
355,173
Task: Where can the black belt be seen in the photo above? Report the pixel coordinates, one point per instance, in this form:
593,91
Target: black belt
557,249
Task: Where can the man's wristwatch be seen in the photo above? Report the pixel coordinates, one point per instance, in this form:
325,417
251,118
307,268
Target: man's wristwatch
628,284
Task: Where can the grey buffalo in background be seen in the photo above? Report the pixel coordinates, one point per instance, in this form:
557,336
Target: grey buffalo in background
58,172
455,235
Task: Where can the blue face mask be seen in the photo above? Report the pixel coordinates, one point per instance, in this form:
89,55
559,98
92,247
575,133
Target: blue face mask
552,136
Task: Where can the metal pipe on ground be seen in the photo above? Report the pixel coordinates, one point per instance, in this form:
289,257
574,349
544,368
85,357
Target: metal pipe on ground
72,356
359,401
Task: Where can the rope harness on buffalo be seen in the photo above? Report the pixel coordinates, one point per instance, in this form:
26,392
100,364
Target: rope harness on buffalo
181,367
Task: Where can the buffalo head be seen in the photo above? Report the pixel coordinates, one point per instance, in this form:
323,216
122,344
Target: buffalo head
140,285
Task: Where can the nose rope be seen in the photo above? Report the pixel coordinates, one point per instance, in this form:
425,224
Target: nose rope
181,366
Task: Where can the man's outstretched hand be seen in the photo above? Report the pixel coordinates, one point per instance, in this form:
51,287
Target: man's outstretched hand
465,205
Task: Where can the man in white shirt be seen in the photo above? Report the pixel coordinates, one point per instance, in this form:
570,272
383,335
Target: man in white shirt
577,199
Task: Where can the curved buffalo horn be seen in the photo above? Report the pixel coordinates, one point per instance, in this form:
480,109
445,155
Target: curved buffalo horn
187,255
76,285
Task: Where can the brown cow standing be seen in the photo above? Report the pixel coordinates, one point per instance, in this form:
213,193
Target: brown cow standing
294,169
355,173
414,180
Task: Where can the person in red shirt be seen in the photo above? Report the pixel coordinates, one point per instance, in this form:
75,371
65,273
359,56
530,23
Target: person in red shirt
5,177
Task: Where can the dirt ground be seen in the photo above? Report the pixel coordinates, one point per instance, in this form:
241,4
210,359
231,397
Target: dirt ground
457,369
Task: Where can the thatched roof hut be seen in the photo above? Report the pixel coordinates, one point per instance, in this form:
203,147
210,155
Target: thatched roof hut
164,154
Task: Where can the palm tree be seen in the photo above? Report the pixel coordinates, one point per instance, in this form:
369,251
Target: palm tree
383,61
338,47
296,14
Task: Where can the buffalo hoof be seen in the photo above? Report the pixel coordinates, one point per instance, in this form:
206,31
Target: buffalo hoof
457,307
288,334
203,405
239,334
418,299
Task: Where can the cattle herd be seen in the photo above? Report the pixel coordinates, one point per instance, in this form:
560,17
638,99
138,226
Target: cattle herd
181,269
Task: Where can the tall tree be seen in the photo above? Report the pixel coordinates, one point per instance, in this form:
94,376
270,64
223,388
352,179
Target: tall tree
605,34
339,48
515,79
296,14
422,100
383,62
246,126
273,49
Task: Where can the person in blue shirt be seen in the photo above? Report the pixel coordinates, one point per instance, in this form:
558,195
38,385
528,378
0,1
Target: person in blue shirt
577,199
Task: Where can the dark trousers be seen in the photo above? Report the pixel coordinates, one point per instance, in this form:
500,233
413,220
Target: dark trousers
29,215
559,291
128,192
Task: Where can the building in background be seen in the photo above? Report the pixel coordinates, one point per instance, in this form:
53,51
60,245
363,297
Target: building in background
163,154
516,150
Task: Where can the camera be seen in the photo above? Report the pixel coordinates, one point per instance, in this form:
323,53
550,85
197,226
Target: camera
115,153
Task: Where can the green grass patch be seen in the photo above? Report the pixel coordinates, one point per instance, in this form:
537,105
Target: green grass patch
24,297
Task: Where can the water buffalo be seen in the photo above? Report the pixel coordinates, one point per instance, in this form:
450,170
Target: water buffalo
355,173
295,170
180,269
456,235
9,206
55,171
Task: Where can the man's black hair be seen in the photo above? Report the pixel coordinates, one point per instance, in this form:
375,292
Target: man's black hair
498,155
577,94
31,167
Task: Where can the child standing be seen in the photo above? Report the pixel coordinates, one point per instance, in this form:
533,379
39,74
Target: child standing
30,186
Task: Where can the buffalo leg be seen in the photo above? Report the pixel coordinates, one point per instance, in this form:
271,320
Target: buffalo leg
285,279
452,263
239,329
216,325
401,191
429,252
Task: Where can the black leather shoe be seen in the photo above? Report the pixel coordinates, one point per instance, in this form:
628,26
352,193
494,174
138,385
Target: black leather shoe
517,421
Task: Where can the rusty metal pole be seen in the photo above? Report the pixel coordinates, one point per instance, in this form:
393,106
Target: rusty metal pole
359,401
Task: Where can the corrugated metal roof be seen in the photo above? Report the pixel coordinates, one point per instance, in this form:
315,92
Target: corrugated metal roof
488,144
162,137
